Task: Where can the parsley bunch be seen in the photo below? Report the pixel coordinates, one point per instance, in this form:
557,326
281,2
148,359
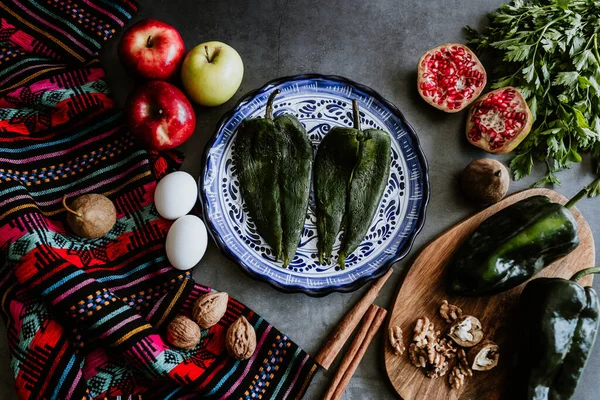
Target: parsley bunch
549,50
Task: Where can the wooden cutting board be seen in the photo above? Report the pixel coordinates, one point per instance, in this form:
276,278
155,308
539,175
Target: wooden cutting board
423,291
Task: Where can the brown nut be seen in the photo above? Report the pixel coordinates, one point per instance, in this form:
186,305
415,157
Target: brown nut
486,181
424,332
463,363
450,312
438,370
90,215
484,356
210,308
460,372
466,331
456,379
240,340
446,348
417,355
184,333
395,338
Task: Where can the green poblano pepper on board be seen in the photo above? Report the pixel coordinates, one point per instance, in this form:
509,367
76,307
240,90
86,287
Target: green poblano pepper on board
513,245
273,159
352,168
559,326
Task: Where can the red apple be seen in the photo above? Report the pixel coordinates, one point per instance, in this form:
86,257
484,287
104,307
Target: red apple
160,115
152,49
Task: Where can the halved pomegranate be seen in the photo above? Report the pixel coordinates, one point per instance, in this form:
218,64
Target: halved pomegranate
499,121
450,77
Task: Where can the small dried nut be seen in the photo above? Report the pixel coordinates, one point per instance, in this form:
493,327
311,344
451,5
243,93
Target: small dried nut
424,332
395,337
436,372
210,308
460,372
438,364
450,312
417,356
485,181
484,356
446,348
433,357
463,363
184,333
466,331
456,379
241,339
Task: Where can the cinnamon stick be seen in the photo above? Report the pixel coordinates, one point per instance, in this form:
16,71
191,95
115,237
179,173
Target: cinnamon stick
354,346
364,345
344,329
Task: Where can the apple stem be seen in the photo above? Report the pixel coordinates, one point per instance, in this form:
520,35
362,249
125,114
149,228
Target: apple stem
208,57
356,114
269,112
149,42
64,202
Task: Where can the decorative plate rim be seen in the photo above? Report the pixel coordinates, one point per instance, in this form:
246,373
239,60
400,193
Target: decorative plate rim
358,283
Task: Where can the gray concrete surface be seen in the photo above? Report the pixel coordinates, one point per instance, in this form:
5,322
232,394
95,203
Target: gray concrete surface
378,44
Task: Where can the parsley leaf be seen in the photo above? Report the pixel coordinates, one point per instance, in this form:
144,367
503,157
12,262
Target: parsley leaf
548,49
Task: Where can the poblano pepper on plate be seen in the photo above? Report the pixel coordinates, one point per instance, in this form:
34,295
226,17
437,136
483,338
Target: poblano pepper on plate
559,326
273,159
513,245
352,167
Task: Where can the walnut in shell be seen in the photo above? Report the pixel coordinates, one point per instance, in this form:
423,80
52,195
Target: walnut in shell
240,340
466,331
210,308
450,312
486,181
395,338
184,333
484,356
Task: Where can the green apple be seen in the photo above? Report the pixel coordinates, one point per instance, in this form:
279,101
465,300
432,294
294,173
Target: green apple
211,73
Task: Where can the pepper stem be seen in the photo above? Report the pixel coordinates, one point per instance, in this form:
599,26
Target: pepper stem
583,193
356,114
64,203
585,272
269,112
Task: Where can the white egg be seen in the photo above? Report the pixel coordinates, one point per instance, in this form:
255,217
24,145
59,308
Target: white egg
186,242
175,195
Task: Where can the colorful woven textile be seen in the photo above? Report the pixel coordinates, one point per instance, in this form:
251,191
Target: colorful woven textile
85,317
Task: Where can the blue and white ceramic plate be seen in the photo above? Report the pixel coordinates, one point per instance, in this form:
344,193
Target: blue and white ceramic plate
320,103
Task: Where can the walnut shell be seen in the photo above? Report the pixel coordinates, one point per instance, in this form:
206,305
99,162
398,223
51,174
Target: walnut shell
466,331
486,181
484,356
184,333
91,215
240,340
210,308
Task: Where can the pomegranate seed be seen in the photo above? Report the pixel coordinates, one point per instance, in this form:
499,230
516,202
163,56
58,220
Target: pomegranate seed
451,76
497,119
